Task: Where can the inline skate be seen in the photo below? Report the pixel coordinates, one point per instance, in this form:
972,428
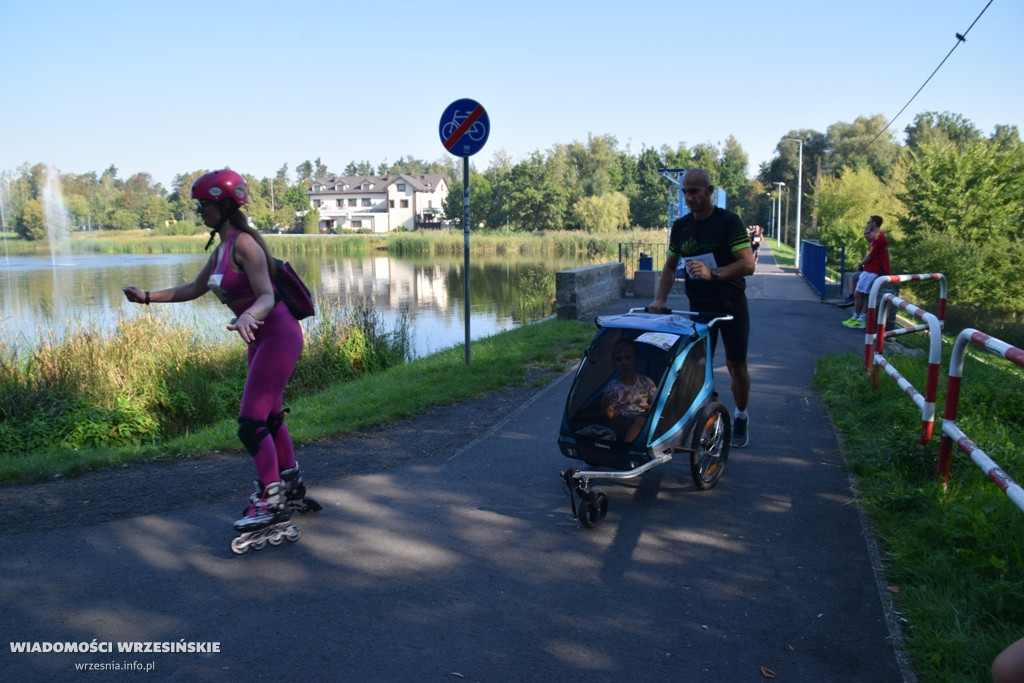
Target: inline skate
267,520
295,492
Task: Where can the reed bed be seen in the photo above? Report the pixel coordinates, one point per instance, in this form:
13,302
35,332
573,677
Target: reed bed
152,379
422,242
551,242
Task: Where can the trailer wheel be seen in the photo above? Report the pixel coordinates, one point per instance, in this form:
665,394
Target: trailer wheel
593,507
710,445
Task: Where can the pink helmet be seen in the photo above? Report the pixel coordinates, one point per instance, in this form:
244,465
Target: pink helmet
218,185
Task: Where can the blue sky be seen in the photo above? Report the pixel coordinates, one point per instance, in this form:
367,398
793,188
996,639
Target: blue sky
172,87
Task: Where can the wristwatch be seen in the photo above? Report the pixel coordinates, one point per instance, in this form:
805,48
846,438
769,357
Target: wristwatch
714,273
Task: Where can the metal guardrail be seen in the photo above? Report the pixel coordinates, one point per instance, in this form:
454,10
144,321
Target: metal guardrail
631,253
812,264
876,334
951,433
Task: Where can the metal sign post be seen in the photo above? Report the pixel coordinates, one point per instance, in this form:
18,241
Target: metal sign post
464,129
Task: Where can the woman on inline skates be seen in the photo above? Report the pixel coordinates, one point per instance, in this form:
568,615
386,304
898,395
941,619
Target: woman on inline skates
241,273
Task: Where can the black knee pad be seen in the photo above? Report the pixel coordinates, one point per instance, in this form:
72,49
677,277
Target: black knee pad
252,432
275,420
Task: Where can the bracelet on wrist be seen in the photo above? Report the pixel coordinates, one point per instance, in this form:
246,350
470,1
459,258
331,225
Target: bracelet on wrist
147,297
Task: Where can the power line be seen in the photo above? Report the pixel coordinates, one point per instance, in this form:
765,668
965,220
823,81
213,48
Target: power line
960,38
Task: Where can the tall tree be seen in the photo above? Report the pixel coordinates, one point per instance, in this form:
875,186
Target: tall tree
154,213
536,198
964,217
31,223
731,172
976,192
604,214
137,192
865,142
320,169
497,176
934,128
679,157
180,200
845,203
353,169
281,177
1005,137
304,171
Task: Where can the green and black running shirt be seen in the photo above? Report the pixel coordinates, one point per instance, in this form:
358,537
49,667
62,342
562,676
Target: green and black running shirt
713,241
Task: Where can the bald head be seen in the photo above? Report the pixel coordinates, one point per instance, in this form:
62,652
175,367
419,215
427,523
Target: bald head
696,177
697,188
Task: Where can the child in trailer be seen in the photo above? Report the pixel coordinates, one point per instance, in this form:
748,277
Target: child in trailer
627,399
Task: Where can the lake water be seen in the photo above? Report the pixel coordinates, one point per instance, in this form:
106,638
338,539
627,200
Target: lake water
46,300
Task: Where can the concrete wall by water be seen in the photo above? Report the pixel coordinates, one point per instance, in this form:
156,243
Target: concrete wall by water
581,290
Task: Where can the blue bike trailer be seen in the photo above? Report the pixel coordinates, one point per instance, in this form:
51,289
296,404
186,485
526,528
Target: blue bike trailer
673,350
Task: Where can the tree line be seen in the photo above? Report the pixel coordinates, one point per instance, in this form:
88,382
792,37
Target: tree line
952,197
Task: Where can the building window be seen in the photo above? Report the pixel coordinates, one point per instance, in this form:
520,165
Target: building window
366,201
400,187
341,203
391,203
357,224
405,203
351,202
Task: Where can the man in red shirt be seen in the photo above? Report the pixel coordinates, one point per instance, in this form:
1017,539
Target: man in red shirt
875,263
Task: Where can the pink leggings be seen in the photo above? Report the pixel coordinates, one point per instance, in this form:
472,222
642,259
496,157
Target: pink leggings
271,358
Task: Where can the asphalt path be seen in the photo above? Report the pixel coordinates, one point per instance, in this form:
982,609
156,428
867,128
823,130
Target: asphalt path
472,568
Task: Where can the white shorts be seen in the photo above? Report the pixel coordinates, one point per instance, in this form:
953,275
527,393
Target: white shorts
864,280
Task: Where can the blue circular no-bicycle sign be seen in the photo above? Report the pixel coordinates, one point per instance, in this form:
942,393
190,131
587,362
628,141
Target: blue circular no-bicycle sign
464,127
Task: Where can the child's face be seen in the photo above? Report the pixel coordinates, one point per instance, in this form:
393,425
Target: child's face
624,359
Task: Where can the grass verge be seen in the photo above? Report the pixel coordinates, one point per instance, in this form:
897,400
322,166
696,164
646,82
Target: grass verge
952,553
498,362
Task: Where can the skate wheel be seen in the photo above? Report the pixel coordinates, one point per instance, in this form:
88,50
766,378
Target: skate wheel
238,546
292,533
276,540
260,544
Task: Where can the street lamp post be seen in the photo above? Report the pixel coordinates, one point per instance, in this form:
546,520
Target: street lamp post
778,214
785,217
799,195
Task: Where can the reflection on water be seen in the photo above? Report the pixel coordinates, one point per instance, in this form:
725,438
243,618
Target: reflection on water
43,301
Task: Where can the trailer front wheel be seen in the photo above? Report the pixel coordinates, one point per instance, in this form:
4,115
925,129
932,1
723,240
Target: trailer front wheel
710,446
593,507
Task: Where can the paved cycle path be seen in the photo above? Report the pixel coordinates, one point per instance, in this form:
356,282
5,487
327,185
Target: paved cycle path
472,568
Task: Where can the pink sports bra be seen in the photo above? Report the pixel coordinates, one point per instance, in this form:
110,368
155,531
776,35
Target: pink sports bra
228,284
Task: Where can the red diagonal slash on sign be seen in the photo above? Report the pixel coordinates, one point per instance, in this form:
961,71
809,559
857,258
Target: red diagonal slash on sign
461,130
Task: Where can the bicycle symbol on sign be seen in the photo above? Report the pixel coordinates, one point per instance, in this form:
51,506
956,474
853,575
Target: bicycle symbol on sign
476,131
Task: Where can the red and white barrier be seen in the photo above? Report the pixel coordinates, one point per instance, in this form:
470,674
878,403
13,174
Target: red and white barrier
874,343
952,433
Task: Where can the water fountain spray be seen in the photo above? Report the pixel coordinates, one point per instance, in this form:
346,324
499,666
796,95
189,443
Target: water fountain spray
57,230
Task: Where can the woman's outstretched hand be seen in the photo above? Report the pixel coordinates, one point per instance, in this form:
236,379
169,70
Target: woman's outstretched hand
134,294
246,325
